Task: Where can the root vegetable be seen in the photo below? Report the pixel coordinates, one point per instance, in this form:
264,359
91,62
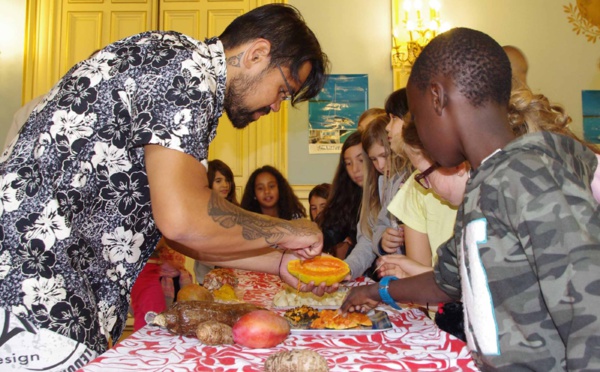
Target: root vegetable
214,333
183,317
296,361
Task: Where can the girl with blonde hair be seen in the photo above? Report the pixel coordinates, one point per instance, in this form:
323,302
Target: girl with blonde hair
384,173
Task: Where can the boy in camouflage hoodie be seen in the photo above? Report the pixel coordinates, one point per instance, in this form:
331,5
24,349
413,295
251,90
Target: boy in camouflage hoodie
525,258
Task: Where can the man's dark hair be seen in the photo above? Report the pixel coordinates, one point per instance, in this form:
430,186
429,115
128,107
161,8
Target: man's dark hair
292,43
475,62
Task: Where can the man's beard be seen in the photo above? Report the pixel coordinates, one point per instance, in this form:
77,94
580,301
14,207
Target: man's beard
239,88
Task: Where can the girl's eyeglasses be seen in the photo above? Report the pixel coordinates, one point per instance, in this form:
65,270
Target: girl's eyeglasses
421,178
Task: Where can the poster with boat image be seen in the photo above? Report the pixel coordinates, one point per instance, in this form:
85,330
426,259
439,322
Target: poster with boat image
333,114
591,115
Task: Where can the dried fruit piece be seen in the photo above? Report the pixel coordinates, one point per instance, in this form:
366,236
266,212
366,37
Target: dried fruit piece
319,269
301,315
333,319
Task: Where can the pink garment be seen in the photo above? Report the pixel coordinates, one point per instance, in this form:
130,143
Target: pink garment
147,295
596,181
154,289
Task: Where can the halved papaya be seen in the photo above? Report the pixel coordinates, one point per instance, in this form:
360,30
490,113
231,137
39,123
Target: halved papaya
319,269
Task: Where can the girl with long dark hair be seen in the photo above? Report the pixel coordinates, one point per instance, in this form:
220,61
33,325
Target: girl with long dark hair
268,192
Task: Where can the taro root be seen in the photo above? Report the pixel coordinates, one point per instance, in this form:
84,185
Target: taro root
183,317
296,361
214,333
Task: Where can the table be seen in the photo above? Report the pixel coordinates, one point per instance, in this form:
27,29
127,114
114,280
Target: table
415,343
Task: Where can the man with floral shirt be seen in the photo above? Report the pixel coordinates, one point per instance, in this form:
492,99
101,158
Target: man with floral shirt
112,159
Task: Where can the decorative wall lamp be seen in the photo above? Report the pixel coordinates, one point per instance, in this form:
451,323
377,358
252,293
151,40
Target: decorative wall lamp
414,24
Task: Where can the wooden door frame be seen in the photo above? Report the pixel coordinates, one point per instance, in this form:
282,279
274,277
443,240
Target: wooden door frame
41,36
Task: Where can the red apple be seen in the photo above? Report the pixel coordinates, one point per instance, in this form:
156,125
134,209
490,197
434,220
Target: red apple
260,329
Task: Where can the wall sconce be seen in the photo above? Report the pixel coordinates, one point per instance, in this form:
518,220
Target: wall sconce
413,26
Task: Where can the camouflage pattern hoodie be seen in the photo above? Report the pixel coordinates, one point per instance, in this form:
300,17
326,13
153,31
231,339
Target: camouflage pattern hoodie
525,258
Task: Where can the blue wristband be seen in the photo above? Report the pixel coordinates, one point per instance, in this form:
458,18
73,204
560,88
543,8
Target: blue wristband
384,294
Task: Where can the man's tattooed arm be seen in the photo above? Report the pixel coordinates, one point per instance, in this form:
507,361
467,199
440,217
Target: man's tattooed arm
254,226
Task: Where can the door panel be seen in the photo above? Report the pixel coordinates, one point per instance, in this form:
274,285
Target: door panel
123,24
92,24
81,35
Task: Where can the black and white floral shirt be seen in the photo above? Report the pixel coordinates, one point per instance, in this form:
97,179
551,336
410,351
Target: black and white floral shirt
76,223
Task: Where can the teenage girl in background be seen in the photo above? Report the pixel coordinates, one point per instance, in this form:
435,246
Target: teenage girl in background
339,218
396,106
427,204
317,199
268,192
384,174
367,116
220,179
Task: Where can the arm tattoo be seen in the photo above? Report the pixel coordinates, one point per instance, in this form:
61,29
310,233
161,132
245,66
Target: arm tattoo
254,226
235,60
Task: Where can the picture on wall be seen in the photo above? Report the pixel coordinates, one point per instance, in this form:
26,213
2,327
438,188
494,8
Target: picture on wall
333,114
591,115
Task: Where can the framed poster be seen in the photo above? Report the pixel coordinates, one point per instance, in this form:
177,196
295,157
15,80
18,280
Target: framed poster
333,114
590,100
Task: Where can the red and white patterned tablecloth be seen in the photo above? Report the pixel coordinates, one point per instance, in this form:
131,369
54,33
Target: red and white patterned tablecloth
415,343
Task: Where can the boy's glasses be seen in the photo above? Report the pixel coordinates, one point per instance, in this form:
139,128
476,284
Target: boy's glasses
421,178
289,95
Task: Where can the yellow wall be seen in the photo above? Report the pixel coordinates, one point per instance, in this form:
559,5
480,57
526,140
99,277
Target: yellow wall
561,63
12,35
357,40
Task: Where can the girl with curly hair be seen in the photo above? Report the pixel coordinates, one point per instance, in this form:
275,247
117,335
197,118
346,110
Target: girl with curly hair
268,192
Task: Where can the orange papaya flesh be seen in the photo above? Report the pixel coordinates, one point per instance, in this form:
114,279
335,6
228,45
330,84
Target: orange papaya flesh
319,269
